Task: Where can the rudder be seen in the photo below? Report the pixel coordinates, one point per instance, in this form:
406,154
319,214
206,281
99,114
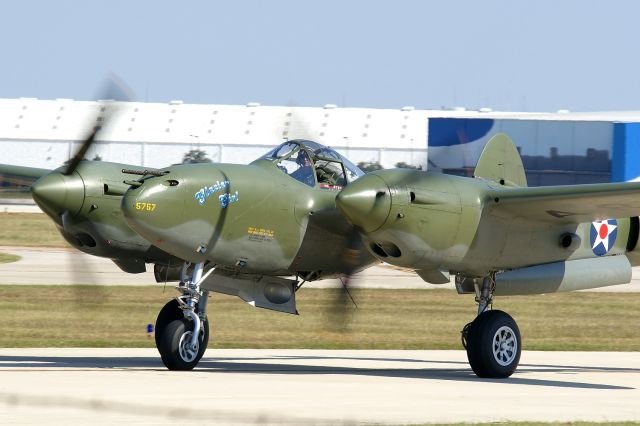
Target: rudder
500,162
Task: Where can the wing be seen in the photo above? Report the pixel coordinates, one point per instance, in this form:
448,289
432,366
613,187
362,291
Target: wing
20,171
19,178
568,204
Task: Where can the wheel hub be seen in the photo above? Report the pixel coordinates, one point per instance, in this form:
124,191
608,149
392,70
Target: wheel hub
505,346
187,352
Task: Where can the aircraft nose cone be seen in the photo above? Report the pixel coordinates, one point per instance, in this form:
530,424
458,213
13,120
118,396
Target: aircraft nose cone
56,193
365,202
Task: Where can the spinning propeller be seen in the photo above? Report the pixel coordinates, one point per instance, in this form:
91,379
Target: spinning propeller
365,203
61,193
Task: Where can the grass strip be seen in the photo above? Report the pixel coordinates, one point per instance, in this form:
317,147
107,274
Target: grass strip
30,230
103,316
8,258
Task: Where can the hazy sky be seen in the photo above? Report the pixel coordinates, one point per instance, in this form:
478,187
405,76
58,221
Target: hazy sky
506,55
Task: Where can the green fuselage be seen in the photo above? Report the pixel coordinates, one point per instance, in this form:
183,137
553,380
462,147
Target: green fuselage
251,218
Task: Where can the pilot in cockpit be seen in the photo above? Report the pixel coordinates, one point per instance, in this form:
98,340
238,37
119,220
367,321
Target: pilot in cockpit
304,173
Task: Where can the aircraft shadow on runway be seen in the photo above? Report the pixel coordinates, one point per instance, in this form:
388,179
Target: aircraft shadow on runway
275,365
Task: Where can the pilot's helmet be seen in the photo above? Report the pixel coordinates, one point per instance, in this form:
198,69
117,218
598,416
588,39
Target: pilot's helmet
303,158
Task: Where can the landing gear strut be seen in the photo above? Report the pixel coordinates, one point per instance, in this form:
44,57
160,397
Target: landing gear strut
182,327
492,340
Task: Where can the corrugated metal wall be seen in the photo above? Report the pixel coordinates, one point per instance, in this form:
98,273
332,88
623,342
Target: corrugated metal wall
39,133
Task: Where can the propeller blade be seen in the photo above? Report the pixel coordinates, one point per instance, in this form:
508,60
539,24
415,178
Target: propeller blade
87,288
115,89
79,155
344,304
352,252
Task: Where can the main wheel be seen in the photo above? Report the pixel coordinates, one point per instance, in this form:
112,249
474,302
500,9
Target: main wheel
493,345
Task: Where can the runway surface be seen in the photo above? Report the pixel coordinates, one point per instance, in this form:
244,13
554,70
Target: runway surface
69,266
19,205
101,386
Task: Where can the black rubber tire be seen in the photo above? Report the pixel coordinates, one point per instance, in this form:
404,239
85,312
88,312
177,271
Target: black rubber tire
169,312
169,344
480,345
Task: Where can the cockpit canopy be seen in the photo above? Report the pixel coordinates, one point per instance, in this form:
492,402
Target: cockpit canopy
311,163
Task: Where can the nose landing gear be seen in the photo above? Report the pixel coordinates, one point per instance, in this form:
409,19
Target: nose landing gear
182,327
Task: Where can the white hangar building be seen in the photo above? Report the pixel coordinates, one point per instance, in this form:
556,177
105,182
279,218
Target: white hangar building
557,148
41,133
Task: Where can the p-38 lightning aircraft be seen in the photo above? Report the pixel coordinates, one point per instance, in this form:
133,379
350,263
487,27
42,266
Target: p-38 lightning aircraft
302,212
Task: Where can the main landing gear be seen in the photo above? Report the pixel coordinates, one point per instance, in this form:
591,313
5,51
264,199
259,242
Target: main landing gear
182,327
492,340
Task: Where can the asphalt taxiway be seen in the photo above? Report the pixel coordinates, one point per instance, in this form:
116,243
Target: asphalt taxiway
101,386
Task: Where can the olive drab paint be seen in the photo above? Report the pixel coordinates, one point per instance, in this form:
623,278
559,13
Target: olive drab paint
249,218
262,219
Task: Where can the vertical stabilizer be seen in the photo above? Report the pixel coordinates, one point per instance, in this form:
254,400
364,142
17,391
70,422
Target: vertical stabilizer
501,162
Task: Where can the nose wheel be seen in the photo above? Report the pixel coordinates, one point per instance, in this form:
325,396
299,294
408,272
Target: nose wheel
175,344
182,326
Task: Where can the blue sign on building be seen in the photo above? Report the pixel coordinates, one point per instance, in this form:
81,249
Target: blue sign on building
554,152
